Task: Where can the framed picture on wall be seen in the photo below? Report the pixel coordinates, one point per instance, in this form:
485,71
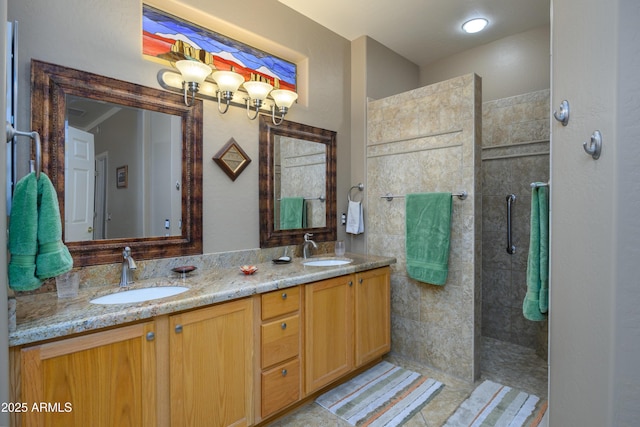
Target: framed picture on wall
122,176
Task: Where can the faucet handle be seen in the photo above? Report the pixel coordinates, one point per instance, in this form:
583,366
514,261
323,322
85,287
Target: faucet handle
126,253
307,235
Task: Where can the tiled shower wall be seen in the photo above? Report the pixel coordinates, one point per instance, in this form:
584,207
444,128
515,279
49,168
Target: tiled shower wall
515,153
428,140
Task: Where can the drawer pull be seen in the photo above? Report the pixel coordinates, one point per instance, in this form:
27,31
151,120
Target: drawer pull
151,336
178,329
283,326
284,295
284,372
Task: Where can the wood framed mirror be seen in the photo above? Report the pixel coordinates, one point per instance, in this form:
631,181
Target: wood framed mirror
164,228
297,183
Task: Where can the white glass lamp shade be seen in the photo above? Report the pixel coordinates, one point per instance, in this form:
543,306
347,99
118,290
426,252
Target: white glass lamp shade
193,71
227,81
257,90
284,98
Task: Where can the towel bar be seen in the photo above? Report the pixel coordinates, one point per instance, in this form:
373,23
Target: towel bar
321,198
461,195
539,184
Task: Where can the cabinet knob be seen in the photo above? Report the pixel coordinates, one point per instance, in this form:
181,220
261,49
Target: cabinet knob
284,372
350,283
178,329
283,325
361,280
284,295
151,336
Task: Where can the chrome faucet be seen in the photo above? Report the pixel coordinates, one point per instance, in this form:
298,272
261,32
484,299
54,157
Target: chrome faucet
305,245
128,264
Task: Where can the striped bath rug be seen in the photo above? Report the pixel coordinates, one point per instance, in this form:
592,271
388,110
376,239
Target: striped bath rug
385,395
493,404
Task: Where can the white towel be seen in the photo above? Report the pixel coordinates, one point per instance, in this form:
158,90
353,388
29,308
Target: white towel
355,218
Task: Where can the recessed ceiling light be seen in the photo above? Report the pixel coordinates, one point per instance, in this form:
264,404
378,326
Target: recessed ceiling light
474,25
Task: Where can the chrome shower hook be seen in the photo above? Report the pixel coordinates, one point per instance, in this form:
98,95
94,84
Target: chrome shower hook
563,115
594,147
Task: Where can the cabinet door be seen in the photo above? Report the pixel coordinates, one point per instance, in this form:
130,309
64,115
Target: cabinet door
103,379
211,367
372,314
328,331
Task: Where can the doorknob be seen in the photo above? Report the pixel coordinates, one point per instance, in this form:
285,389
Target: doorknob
90,230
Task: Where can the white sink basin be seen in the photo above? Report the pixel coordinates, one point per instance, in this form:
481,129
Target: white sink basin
139,295
327,262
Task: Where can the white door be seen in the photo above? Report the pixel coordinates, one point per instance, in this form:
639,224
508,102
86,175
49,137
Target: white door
79,175
592,381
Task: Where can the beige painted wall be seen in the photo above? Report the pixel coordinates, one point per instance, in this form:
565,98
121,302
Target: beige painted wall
510,66
594,292
104,38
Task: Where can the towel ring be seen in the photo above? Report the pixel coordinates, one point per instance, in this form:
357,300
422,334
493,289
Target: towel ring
360,187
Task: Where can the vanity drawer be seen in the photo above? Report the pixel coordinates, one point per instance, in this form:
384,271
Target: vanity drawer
280,340
280,302
280,387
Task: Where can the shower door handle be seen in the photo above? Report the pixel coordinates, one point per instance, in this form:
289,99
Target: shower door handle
511,248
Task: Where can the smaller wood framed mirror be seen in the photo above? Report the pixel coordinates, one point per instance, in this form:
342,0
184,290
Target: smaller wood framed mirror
297,161
232,159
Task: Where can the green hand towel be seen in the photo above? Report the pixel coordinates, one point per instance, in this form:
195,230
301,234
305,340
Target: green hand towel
536,301
291,212
428,236
53,256
23,229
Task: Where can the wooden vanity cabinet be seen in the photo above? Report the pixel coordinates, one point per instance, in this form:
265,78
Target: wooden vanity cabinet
230,364
328,331
102,379
211,365
372,315
280,348
347,324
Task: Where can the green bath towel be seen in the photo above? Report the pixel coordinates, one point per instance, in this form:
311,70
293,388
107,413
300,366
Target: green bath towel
35,235
53,256
428,236
23,232
291,213
536,301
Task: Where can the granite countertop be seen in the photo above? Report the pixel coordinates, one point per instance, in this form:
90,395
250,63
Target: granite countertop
44,316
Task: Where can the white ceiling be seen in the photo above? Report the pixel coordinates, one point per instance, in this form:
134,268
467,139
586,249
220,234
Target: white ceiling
424,31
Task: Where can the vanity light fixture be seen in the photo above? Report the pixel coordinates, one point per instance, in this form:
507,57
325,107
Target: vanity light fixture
228,82
283,100
229,88
193,75
474,25
257,92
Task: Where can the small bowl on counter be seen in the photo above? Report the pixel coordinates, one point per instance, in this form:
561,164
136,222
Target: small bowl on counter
248,269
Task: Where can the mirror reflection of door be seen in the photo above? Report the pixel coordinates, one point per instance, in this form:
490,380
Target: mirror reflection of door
79,174
149,143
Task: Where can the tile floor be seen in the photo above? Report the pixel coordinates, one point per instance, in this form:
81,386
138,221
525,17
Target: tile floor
502,362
